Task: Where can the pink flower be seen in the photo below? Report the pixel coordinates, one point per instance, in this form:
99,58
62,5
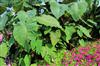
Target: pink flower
9,65
76,64
97,57
99,64
47,64
1,37
66,64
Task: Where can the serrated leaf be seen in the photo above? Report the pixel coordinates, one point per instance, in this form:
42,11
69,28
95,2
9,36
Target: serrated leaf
79,33
84,30
3,50
54,37
2,62
82,42
27,60
3,21
36,45
20,33
48,53
48,21
91,51
69,30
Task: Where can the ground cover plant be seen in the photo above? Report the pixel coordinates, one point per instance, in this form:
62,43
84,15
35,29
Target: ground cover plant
41,32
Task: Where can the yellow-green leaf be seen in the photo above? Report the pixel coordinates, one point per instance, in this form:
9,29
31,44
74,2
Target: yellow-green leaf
82,42
3,50
84,30
69,30
2,62
55,36
48,21
20,33
27,60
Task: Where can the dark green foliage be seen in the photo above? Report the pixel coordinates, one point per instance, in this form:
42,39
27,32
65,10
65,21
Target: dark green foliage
42,30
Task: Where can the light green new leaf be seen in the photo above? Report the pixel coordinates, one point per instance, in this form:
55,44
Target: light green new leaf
84,30
3,21
3,50
48,21
55,36
69,30
27,60
20,33
55,8
2,62
33,64
82,42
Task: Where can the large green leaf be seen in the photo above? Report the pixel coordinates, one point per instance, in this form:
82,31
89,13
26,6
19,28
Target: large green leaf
69,30
48,21
3,50
77,9
3,21
74,11
27,60
82,6
20,33
26,16
55,36
2,62
55,8
84,30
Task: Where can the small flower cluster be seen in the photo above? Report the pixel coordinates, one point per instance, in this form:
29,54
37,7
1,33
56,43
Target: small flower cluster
83,56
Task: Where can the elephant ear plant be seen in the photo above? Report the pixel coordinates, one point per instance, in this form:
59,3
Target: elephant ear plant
36,32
